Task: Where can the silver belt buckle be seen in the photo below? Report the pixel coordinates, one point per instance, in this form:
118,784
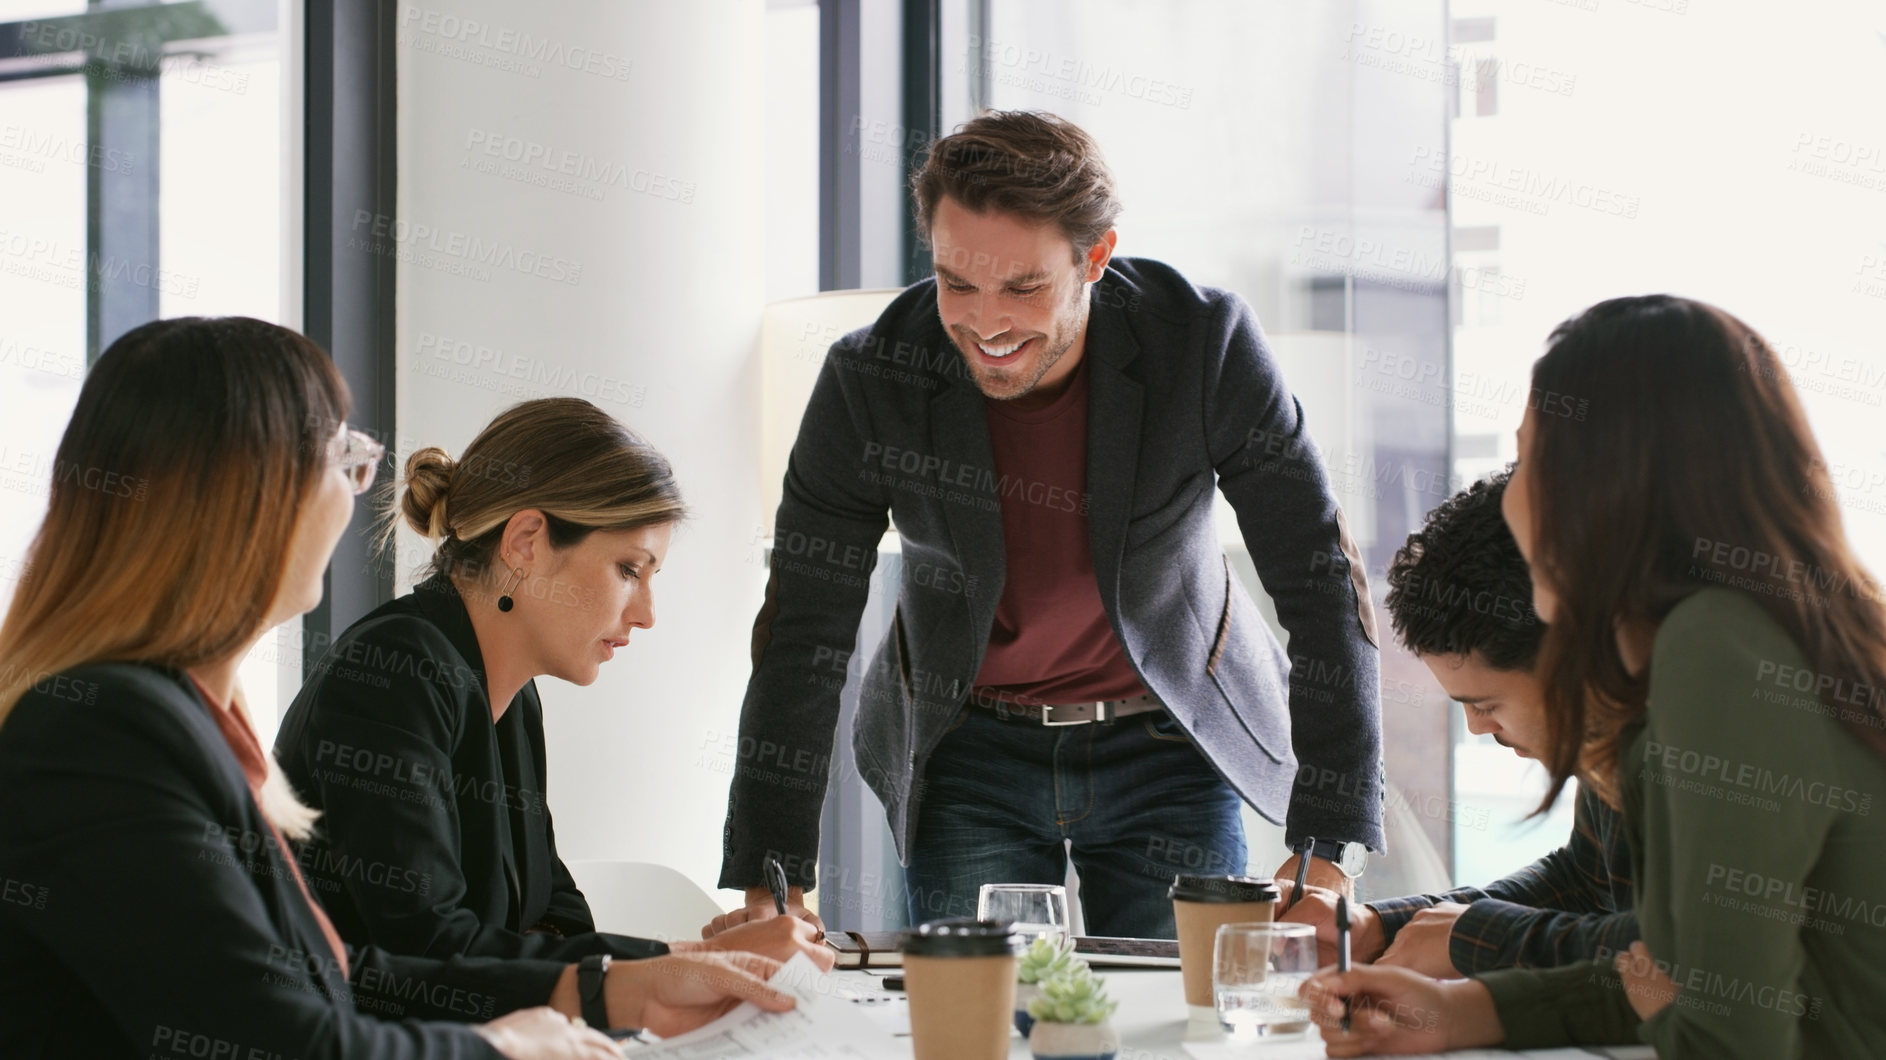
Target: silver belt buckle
1100,714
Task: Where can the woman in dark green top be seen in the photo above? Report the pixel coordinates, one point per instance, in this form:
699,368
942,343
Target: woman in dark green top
1715,663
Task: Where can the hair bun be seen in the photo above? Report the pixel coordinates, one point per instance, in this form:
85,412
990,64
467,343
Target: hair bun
428,478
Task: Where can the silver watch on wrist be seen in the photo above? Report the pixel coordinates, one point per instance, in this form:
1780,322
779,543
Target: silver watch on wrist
1351,858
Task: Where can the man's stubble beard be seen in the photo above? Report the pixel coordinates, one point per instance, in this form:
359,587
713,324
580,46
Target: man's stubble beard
1052,351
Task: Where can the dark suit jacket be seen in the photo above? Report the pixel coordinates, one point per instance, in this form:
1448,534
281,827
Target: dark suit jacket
1184,396
148,910
435,837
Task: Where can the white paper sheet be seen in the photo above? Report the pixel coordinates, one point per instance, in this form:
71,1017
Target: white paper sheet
1311,1048
826,1025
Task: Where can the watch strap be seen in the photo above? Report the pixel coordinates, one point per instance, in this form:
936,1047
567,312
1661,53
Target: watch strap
591,972
1340,854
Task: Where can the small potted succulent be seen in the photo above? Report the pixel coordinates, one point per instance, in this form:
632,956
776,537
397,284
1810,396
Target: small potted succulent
1044,959
1071,1012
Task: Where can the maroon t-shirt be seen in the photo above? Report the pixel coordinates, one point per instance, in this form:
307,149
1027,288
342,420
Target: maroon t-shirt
1051,641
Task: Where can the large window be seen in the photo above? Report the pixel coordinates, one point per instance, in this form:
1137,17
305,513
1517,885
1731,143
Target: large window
1631,151
1249,142
141,176
1253,146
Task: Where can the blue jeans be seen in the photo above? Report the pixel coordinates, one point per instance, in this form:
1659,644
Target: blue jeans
1135,797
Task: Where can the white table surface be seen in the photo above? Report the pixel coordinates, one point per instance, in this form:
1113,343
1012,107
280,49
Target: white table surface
1154,1024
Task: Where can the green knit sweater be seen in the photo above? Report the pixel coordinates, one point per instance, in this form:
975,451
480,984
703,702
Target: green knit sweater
1758,843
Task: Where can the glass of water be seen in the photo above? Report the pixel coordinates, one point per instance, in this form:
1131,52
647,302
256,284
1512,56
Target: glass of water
1256,970
1038,910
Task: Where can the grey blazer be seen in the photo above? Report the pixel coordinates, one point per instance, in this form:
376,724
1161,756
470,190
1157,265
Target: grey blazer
1183,394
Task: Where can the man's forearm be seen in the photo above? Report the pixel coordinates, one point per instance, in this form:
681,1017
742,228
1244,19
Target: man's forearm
1497,934
1394,913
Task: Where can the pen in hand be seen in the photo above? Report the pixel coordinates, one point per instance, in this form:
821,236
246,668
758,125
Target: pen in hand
1342,950
1303,869
776,883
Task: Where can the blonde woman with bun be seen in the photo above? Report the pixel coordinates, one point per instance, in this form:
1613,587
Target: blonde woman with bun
419,736
151,903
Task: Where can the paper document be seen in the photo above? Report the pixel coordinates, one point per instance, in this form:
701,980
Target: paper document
826,1025
1310,1047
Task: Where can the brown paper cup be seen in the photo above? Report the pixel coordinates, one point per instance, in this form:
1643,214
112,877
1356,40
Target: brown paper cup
1200,904
960,978
961,1008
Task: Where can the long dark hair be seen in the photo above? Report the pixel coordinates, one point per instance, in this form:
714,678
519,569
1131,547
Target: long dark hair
1670,453
176,492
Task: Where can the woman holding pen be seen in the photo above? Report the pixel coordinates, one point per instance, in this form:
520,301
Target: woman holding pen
167,915
1715,666
419,736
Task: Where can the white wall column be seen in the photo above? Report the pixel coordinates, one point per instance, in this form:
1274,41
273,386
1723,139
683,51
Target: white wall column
581,211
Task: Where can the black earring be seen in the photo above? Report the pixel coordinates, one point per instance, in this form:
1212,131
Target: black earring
505,603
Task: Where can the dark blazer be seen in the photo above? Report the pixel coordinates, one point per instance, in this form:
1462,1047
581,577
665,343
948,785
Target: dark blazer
1184,396
435,837
148,910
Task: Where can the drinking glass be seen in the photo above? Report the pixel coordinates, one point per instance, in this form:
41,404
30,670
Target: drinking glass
1256,970
1037,910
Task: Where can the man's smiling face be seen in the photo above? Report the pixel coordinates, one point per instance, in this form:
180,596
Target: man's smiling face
1012,294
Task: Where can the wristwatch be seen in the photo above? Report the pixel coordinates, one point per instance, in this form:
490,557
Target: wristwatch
1351,858
590,973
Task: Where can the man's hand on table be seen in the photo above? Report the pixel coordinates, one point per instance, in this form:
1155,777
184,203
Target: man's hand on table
1423,943
1318,907
780,937
760,907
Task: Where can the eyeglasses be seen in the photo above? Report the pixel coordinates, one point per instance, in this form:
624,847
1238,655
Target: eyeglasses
358,456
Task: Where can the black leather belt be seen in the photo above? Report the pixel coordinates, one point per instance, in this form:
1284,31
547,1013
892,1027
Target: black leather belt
1073,713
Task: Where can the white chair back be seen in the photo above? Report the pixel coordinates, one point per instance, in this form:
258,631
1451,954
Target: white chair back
644,899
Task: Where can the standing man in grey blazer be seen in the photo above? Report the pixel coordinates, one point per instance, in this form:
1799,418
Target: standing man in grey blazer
1072,664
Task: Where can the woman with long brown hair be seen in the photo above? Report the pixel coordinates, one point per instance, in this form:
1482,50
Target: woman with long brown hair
420,735
1715,666
152,904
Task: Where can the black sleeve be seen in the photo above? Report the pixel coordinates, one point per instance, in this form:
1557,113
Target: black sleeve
1557,910
1272,475
405,823
569,910
806,626
152,908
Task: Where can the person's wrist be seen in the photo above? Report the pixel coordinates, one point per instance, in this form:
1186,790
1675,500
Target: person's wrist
624,989
759,896
1370,940
1328,875
591,986
1472,1020
563,996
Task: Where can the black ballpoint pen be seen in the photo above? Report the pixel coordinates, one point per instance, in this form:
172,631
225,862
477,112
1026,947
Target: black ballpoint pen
1342,950
1303,868
776,883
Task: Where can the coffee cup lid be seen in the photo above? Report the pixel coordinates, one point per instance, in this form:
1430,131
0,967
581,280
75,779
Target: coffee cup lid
962,938
1222,889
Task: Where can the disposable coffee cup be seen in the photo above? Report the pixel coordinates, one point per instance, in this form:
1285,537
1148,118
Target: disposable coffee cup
960,978
1201,904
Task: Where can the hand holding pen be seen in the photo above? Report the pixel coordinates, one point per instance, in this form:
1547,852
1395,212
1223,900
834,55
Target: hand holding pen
776,882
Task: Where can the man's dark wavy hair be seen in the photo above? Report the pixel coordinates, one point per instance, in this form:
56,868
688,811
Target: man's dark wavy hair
1459,584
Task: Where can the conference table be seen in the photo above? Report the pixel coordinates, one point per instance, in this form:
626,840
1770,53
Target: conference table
1153,1023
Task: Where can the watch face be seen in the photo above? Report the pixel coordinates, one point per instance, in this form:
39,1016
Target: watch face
1355,858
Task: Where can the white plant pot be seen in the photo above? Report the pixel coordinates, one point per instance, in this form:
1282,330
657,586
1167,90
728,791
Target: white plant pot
1073,1041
